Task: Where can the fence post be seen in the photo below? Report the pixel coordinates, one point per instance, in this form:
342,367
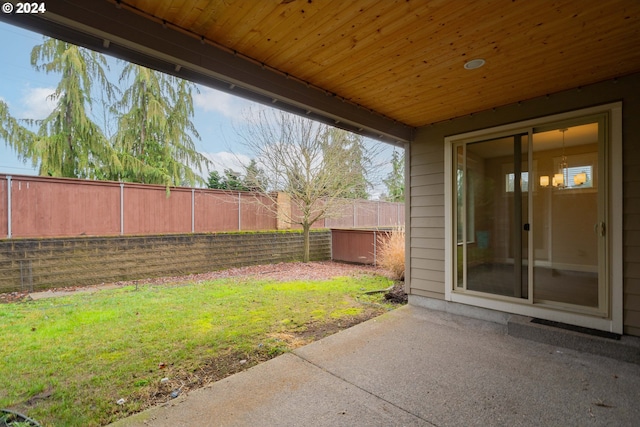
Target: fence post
375,247
8,206
122,208
193,210
239,211
354,213
331,245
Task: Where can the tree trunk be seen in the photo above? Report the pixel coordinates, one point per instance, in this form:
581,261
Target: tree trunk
307,244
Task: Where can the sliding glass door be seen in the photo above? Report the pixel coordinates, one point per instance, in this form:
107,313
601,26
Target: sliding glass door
530,216
569,216
492,182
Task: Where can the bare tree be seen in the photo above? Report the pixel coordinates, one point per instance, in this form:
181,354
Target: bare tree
313,166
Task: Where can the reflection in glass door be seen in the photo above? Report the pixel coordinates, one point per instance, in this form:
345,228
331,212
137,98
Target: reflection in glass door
568,214
530,216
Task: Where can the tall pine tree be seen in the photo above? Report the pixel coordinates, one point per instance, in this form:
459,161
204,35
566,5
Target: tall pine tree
155,137
16,136
68,143
395,179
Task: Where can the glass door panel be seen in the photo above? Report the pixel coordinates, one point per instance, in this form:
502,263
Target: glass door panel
492,180
568,216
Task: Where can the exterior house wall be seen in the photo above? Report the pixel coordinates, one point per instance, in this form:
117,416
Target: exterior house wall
425,181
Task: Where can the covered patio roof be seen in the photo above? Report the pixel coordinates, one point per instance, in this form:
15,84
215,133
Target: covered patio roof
377,67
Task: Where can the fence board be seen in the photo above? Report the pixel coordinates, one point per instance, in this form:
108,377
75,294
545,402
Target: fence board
257,212
60,207
216,211
149,210
50,208
344,217
366,213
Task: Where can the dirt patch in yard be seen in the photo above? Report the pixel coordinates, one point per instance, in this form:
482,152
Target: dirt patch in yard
179,382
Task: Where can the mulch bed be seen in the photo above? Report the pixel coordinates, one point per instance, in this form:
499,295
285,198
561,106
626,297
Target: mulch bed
286,271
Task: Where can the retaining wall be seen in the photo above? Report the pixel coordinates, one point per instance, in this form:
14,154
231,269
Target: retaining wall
36,264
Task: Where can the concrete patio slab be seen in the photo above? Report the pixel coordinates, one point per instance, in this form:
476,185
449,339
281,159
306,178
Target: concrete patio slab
416,367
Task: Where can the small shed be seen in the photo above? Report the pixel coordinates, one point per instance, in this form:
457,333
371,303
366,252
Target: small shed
357,246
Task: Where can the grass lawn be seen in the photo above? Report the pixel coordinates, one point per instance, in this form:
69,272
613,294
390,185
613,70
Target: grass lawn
69,360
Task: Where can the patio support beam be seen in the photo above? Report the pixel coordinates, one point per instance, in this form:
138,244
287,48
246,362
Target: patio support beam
113,29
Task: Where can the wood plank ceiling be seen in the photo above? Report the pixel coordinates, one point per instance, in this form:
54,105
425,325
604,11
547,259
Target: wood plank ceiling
404,58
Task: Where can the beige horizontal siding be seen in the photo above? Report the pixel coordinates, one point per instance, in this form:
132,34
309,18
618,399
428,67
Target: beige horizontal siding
428,222
632,246
428,254
428,232
427,243
432,275
427,264
429,189
428,288
427,218
632,301
427,211
428,294
421,152
433,168
434,200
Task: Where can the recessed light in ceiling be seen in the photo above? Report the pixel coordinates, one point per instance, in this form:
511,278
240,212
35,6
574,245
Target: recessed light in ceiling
474,63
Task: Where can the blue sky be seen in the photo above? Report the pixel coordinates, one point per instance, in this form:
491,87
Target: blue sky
25,90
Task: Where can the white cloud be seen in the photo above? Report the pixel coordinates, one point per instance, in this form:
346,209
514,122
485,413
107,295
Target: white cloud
212,100
226,160
37,103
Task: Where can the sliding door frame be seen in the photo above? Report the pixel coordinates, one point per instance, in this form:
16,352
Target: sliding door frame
611,318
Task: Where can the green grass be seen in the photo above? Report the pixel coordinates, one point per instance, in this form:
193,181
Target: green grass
66,361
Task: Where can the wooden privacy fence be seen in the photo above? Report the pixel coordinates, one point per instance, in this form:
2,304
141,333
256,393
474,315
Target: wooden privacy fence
33,206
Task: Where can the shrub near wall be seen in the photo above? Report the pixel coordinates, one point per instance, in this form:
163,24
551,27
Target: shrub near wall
37,264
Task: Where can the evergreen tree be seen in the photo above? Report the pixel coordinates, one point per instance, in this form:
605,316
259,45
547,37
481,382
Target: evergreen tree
349,149
395,180
68,143
155,137
233,181
215,181
254,178
16,136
